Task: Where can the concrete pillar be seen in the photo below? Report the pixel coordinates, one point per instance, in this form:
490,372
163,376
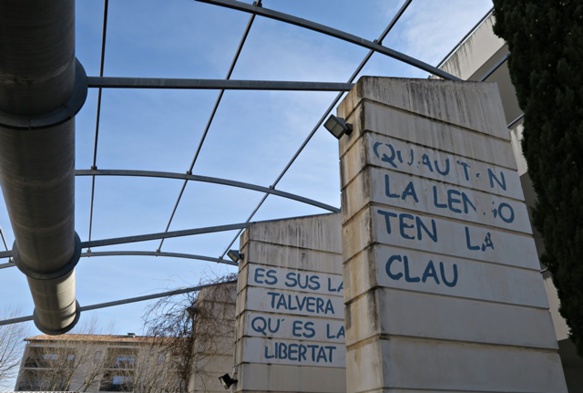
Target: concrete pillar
290,311
442,283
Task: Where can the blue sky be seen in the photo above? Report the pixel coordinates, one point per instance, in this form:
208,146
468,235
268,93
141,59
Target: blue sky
252,138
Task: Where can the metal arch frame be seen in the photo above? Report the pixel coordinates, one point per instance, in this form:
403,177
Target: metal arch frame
120,302
89,254
168,234
147,237
98,114
158,254
101,82
162,235
334,102
202,84
290,19
210,120
205,179
152,236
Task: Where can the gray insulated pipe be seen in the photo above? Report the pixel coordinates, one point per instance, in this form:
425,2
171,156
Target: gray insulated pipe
42,87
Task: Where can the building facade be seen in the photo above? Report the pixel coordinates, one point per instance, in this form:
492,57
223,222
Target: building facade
214,337
482,56
94,363
113,363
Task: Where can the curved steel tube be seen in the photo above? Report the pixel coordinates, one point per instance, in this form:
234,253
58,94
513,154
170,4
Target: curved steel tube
205,179
119,302
342,35
41,88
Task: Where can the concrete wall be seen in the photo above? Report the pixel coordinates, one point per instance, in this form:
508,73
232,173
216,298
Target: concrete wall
442,283
214,333
290,317
477,54
481,56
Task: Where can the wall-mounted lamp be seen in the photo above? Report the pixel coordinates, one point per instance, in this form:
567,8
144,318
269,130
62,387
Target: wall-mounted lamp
337,126
227,381
191,311
235,255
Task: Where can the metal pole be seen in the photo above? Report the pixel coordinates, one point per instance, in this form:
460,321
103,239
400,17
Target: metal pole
206,179
119,302
212,84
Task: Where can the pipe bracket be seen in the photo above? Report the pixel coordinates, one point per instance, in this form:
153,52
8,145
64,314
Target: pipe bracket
62,271
56,332
56,117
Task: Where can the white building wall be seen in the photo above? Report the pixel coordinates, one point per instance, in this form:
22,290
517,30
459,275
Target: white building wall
214,337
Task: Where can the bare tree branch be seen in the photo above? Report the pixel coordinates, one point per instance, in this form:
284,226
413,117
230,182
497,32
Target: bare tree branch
193,331
11,346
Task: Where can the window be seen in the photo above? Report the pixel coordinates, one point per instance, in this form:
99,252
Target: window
121,358
120,365
116,382
37,380
50,356
121,379
125,361
41,357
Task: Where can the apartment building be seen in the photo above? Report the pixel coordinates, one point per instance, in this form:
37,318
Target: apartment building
130,363
94,363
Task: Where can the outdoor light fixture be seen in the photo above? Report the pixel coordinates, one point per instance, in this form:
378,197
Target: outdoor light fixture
191,311
235,255
337,126
227,381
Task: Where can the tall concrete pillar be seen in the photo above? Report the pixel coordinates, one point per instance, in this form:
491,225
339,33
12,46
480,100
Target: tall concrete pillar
442,283
290,317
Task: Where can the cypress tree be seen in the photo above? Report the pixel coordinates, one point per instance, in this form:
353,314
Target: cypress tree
545,39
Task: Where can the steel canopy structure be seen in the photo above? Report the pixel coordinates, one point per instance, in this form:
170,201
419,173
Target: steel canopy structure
43,86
